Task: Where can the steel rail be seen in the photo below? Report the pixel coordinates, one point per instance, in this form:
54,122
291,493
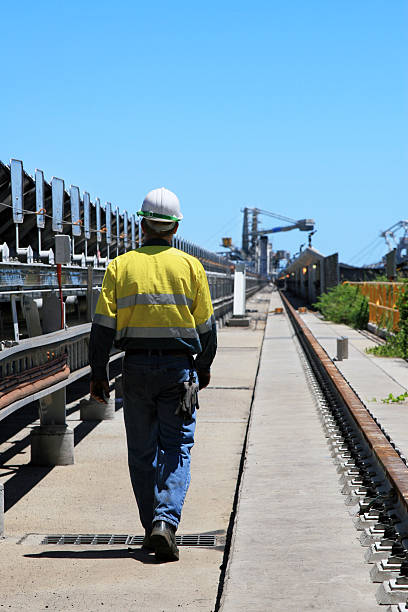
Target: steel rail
48,341
394,467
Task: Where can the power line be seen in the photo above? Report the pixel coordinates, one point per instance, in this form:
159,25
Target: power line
370,250
229,224
368,246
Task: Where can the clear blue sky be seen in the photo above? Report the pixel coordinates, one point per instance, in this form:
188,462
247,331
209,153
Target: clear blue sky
295,106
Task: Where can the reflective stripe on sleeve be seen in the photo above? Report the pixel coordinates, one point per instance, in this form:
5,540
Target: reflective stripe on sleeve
156,332
207,326
104,320
147,299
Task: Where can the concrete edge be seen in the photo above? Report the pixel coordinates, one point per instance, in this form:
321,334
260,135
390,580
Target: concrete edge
235,511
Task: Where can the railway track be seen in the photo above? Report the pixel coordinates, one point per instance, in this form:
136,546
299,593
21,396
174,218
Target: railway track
373,470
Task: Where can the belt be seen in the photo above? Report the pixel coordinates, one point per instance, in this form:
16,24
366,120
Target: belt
160,352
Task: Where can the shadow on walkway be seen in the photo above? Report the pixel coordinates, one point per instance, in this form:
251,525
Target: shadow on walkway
28,476
124,553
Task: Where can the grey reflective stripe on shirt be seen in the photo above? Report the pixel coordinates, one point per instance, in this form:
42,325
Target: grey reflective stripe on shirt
105,321
206,327
160,299
156,332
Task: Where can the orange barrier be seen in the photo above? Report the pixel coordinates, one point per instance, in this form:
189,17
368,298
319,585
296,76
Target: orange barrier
382,302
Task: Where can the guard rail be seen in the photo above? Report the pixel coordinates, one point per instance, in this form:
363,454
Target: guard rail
38,366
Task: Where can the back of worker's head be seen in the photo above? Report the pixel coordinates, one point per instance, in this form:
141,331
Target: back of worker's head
156,228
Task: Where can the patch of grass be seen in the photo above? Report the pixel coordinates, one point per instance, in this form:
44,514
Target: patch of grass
344,304
395,399
390,349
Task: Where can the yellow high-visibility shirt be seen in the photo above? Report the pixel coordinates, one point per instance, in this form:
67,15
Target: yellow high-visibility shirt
156,297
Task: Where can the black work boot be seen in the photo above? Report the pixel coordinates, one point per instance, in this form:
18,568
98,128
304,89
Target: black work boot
163,539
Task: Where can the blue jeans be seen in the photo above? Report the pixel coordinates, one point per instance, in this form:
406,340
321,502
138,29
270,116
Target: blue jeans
159,442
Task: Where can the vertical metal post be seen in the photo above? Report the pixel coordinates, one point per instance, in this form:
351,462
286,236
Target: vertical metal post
98,220
75,199
98,228
108,235
89,296
125,230
342,348
132,231
117,217
87,221
39,198
15,318
239,290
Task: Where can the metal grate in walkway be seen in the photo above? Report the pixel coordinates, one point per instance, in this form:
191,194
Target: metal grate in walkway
128,540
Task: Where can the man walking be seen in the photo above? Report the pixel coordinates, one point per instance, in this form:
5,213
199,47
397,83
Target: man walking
155,304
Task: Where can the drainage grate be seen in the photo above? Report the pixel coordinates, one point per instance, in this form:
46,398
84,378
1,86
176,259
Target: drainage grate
128,540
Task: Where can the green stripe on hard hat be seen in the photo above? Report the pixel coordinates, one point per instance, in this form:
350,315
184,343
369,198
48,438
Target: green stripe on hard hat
152,215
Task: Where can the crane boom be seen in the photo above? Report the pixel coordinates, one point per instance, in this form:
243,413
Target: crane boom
251,231
273,230
276,216
304,225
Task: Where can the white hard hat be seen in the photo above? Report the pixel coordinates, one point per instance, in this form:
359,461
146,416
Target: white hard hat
161,205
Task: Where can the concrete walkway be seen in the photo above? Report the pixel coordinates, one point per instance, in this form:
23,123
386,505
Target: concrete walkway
294,545
94,496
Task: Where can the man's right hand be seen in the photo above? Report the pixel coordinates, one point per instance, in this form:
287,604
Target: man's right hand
99,390
203,379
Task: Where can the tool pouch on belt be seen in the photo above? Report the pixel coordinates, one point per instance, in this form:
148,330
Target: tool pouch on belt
189,398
